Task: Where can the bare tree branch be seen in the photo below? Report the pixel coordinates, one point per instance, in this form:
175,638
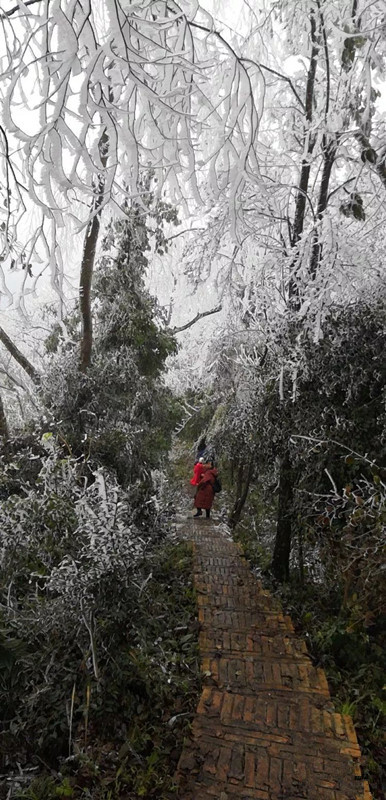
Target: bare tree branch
325,45
196,318
278,75
19,357
17,8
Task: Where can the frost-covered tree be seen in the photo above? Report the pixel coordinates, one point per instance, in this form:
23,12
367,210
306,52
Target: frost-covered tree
80,504
317,187
119,412
304,230
106,90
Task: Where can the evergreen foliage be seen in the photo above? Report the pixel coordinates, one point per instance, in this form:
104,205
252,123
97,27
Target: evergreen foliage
119,413
330,404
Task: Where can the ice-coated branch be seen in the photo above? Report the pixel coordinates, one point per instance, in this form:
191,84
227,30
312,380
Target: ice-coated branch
327,59
13,10
19,357
280,75
151,76
196,318
320,442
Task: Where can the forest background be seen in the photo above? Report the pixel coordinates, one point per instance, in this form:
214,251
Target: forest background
191,220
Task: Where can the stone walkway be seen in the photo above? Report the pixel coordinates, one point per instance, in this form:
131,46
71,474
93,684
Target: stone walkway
265,728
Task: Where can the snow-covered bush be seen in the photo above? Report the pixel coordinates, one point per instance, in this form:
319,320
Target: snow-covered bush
69,555
81,506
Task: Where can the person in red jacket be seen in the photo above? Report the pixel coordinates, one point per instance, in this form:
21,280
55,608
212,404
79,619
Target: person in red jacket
198,469
205,492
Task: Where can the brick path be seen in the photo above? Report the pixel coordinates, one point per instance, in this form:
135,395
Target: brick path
265,728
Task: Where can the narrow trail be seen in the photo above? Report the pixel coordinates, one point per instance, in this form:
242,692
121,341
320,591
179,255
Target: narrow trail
265,728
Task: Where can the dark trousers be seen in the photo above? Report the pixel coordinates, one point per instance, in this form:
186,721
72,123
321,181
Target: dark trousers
199,512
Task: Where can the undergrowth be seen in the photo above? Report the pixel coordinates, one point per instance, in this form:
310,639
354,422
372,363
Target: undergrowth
354,659
128,742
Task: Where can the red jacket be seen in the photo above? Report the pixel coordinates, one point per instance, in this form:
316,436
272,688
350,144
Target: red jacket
197,472
205,492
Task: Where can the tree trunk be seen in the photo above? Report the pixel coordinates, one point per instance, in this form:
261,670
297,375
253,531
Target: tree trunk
244,477
88,259
309,144
329,153
282,549
18,356
3,421
86,274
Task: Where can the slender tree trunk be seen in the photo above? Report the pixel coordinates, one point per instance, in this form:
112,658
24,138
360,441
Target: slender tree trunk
18,356
329,153
86,274
244,477
3,421
309,144
282,548
88,260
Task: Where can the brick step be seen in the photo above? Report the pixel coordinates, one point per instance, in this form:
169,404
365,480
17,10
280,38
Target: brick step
279,646
270,769
265,622
217,654
220,544
288,721
279,712
232,584
225,792
222,558
253,675
223,571
220,580
238,600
